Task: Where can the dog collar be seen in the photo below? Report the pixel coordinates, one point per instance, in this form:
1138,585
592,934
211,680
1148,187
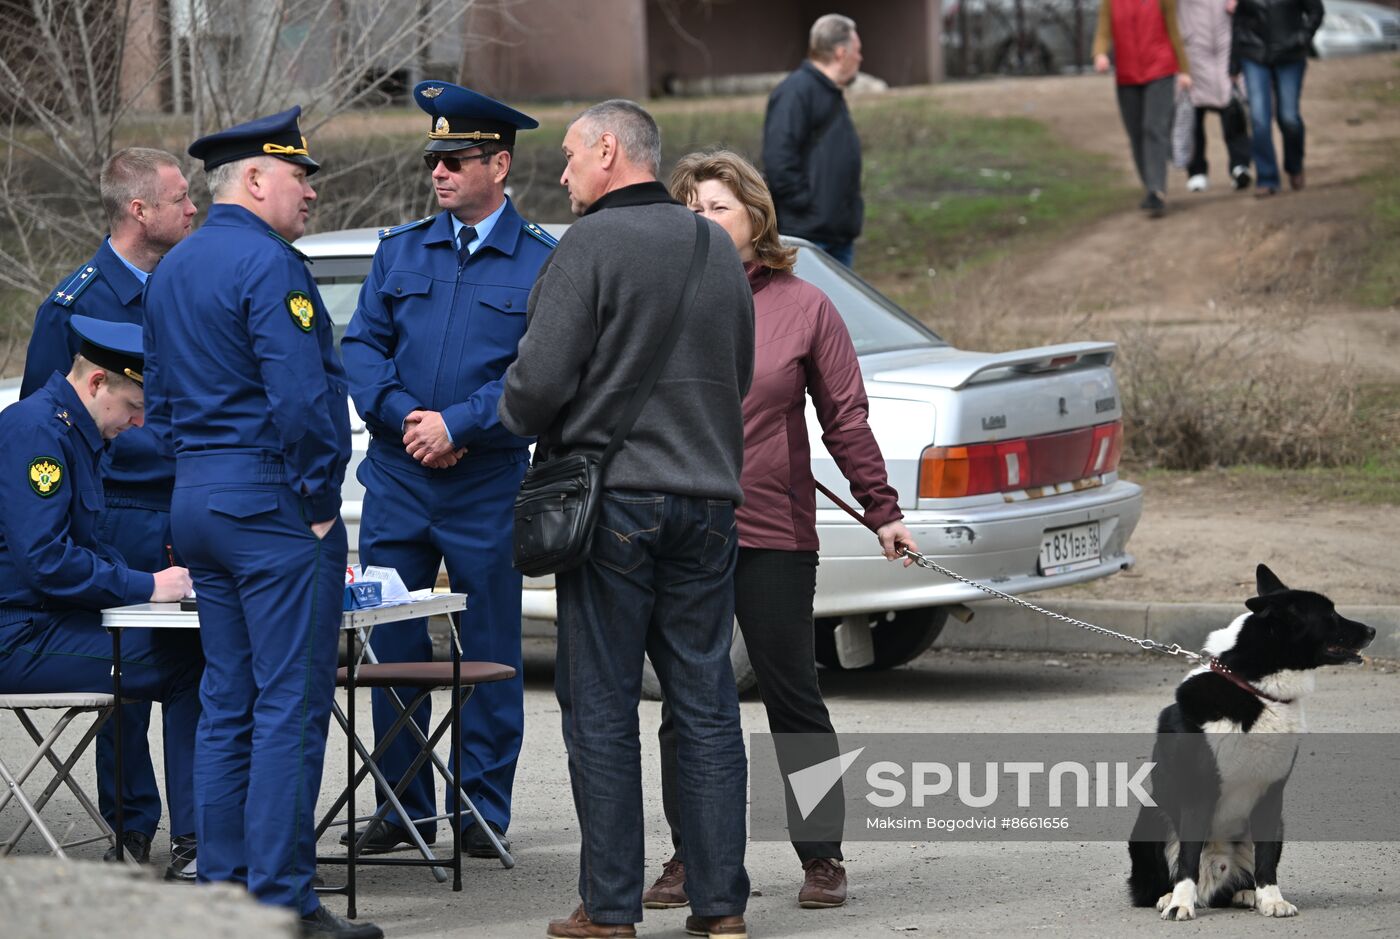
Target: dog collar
1221,669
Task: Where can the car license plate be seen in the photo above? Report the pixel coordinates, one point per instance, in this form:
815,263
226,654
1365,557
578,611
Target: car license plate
1069,549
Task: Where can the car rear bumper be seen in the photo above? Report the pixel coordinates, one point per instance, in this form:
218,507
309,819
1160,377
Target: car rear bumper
996,545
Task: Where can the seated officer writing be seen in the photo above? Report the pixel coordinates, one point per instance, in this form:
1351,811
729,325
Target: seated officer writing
55,577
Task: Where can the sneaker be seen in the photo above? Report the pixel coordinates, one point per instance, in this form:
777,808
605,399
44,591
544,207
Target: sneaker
1155,205
183,860
579,926
723,927
823,884
137,845
668,892
386,837
1198,183
1240,175
1297,180
322,922
1263,192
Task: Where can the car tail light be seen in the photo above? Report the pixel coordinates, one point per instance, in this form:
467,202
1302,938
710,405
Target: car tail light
1024,463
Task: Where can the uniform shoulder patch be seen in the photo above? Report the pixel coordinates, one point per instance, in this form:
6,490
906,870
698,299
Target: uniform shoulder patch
45,475
291,247
406,226
540,235
72,288
303,310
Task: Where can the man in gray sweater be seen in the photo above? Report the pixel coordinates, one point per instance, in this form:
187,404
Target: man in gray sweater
659,579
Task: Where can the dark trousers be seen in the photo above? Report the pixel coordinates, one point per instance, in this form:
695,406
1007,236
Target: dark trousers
1235,128
139,535
269,619
773,592
659,584
412,521
1147,117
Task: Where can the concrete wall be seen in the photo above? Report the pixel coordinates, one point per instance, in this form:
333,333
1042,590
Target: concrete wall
558,49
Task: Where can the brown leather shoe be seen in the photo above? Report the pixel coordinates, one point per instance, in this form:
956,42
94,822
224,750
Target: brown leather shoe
1297,180
723,927
668,892
824,884
579,926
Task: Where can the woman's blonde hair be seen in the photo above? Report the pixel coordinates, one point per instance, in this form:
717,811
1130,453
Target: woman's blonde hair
752,192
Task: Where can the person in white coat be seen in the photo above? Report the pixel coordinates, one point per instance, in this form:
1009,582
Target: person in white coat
1205,31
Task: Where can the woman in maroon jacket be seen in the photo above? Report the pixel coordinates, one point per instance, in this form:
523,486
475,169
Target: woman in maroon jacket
801,347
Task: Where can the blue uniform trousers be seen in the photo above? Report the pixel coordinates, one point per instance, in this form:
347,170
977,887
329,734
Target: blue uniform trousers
413,520
140,534
269,613
69,651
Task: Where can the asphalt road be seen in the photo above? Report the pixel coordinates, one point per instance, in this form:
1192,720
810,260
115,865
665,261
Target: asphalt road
990,887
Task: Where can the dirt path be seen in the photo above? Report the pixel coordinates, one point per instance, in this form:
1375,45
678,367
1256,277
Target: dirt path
1217,257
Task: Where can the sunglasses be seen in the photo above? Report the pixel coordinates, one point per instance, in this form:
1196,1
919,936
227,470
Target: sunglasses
454,163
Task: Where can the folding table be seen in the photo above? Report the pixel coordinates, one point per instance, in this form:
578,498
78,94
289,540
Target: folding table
353,624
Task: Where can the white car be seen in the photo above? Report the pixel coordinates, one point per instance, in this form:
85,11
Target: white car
1006,465
1351,27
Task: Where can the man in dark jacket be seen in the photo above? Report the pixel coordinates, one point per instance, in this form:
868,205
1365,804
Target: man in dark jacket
811,153
659,581
1271,43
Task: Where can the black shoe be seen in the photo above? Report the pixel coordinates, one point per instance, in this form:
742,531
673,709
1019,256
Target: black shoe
476,844
325,923
1146,202
1155,205
137,844
1240,175
183,852
386,837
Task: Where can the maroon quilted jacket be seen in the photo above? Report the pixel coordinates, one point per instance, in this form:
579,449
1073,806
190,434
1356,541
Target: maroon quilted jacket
801,345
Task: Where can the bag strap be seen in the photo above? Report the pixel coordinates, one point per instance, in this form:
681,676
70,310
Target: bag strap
663,352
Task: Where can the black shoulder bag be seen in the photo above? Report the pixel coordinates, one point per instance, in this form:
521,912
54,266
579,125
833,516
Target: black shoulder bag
557,506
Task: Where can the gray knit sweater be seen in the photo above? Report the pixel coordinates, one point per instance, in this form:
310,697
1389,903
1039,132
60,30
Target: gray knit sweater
597,314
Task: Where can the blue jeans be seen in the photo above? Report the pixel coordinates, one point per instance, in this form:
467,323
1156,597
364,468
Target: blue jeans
660,583
1264,83
844,251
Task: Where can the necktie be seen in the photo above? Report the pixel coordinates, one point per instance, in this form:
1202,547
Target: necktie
464,238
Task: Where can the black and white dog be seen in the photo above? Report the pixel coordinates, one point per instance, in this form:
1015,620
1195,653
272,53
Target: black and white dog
1215,836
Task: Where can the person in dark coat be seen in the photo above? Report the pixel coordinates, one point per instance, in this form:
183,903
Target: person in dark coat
1272,39
811,152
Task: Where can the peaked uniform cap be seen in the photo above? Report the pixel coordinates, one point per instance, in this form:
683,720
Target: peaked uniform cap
275,135
115,347
462,118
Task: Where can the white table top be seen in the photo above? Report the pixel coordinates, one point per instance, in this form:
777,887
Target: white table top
170,616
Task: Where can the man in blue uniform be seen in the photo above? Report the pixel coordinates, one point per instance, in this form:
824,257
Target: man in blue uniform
239,351
148,208
56,576
438,321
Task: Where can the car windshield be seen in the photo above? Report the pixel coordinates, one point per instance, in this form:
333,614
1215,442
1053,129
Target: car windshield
876,324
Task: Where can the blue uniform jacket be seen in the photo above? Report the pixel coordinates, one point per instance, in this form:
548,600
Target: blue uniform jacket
239,353
52,493
428,333
102,288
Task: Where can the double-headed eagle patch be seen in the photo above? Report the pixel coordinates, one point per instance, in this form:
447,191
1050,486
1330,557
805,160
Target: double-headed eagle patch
302,309
45,475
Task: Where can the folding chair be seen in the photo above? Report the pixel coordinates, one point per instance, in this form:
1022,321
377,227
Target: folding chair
424,678
72,705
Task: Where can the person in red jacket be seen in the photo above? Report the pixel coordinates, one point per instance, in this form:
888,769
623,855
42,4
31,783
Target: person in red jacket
801,347
1148,55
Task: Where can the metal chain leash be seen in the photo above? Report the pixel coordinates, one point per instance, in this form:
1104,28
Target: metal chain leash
1149,644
